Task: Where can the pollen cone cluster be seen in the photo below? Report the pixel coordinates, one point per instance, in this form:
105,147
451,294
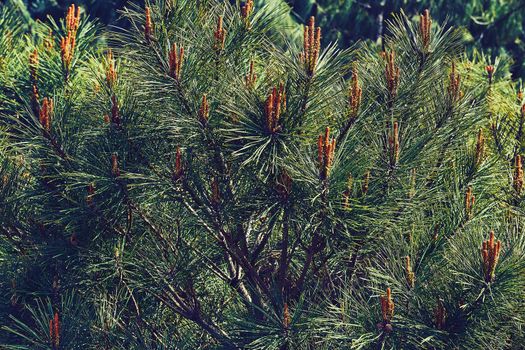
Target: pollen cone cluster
115,170
204,110
46,113
251,78
387,306
148,25
393,143
115,112
67,50
68,43
111,73
354,95
424,29
176,57
286,316
54,332
311,47
73,19
220,35
392,74
275,105
454,87
490,72
247,9
325,153
33,66
490,251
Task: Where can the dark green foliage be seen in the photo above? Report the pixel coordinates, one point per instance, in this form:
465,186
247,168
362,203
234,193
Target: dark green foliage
105,10
163,211
495,26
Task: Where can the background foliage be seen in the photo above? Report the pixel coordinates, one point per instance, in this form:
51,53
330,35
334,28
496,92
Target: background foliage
496,27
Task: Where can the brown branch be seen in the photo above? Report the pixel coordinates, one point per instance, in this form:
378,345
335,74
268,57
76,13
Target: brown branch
283,261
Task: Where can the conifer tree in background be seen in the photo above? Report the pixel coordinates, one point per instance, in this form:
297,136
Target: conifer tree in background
201,185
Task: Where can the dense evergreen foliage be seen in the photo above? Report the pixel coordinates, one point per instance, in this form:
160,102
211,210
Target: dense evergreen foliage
497,27
207,179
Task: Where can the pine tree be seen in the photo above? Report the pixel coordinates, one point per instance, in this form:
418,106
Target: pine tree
203,181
